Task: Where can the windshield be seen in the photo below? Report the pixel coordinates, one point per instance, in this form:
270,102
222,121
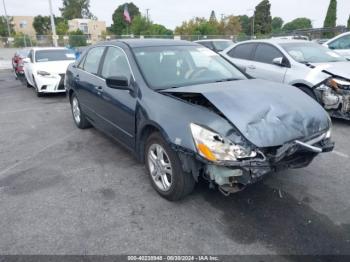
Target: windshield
311,53
174,66
222,45
54,55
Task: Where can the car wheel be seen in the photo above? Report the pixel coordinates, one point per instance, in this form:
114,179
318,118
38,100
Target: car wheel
38,94
27,83
78,115
165,170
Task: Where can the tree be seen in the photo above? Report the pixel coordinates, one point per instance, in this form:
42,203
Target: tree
331,18
76,9
277,23
263,18
198,26
3,26
61,26
245,24
119,25
298,23
42,25
231,25
77,38
213,17
349,22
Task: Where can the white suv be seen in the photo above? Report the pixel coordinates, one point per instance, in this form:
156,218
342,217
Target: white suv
340,44
316,70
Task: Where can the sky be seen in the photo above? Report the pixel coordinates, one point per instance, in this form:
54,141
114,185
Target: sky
172,12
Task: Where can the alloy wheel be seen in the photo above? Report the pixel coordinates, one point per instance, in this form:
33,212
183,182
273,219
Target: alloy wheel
76,110
160,167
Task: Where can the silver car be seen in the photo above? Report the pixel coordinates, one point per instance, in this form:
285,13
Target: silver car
315,69
340,44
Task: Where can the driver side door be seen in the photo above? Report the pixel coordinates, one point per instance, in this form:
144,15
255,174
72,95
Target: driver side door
117,107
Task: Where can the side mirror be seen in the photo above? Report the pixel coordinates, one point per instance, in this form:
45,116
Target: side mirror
119,82
278,61
26,60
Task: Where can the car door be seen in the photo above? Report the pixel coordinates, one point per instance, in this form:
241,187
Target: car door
241,56
28,67
341,46
263,66
89,85
118,106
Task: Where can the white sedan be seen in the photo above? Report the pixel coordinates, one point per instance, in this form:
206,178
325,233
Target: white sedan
45,69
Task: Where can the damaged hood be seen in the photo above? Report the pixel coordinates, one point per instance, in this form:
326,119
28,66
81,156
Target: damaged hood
266,113
341,69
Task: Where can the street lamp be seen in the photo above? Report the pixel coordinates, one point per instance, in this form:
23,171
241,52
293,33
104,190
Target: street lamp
253,22
7,19
53,27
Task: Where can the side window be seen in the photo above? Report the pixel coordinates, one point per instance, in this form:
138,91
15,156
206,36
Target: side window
266,53
243,51
115,64
30,56
207,44
341,43
92,60
81,63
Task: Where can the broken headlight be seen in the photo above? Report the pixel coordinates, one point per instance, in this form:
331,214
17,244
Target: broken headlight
215,147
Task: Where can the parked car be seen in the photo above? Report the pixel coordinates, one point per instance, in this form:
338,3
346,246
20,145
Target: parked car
316,70
340,44
17,62
45,69
217,45
187,112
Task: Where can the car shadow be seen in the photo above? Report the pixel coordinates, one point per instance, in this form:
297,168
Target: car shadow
262,214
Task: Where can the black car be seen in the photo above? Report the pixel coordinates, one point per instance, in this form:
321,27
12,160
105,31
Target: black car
187,112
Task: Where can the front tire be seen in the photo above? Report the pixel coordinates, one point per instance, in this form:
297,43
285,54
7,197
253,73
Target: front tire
165,170
78,115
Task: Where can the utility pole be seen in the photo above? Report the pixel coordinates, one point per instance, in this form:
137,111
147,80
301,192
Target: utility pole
7,19
53,27
147,11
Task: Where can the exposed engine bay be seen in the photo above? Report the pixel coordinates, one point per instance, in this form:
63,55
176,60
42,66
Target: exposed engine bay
335,97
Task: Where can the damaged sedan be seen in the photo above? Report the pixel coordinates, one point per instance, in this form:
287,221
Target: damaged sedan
186,112
318,71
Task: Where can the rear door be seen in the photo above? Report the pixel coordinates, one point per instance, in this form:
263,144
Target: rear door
118,106
241,55
262,65
89,84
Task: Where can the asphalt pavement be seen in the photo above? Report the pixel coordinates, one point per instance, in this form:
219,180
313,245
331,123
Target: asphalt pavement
68,191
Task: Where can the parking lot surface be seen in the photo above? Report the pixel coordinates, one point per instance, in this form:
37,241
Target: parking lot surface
68,191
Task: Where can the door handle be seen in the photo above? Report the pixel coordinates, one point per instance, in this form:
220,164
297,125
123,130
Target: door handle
252,67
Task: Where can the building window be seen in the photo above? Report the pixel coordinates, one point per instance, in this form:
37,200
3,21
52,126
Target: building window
84,28
23,24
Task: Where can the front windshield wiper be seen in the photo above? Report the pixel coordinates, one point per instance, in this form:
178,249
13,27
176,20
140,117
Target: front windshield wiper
228,79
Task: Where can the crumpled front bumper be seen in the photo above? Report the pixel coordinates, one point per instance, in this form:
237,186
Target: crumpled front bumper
233,176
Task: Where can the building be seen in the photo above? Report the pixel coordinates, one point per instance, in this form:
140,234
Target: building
23,24
91,28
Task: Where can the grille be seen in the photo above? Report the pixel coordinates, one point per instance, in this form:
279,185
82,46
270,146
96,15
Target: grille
61,84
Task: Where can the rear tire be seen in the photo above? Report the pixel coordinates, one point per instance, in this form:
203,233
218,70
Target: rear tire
79,117
161,161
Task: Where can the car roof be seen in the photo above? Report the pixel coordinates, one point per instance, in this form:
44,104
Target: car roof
49,48
150,42
212,40
276,41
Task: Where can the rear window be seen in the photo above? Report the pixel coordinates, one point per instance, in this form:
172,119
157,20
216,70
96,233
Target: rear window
243,51
54,55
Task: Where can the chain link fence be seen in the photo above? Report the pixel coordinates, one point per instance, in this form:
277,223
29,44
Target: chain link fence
22,41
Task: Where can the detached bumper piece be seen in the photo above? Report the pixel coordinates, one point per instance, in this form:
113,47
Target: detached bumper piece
235,176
